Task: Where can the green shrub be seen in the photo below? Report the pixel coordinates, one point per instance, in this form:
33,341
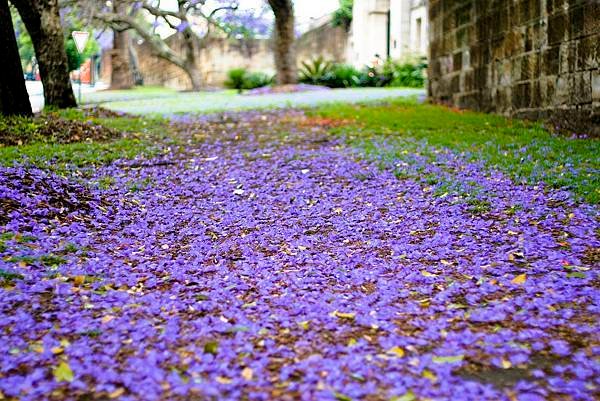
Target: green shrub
235,78
409,73
257,80
241,78
343,15
343,76
313,72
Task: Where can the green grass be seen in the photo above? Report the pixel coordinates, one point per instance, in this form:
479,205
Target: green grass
167,102
137,93
523,150
143,133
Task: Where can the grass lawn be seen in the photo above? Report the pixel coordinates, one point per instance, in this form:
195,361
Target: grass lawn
139,140
164,102
395,132
137,93
401,130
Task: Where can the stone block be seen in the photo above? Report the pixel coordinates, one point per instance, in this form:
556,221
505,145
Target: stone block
551,62
558,28
591,17
588,52
530,66
521,95
596,87
581,88
567,57
554,6
462,37
463,14
455,84
535,95
457,61
576,22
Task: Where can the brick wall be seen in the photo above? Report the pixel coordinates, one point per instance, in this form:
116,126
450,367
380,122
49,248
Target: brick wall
536,59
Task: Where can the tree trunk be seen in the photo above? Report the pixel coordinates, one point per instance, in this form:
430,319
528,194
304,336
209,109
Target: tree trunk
285,53
134,63
121,76
190,59
14,99
195,77
42,20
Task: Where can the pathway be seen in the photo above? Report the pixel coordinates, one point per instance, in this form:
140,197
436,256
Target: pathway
166,102
268,262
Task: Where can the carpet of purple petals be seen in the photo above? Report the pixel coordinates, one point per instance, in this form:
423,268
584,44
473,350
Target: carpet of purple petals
263,265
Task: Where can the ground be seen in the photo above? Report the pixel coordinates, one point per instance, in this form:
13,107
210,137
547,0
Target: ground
165,102
392,251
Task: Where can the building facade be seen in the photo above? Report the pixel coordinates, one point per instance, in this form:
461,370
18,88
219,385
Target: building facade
387,29
536,59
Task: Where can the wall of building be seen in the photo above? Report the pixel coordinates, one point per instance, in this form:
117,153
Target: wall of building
536,59
368,31
408,27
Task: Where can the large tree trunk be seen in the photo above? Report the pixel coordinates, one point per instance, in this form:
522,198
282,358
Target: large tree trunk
134,63
42,20
121,76
285,53
189,65
195,77
14,99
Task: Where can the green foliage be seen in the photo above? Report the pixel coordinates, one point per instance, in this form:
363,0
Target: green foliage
343,76
6,275
314,71
74,58
44,152
240,78
22,129
24,43
343,15
524,151
235,78
257,80
408,73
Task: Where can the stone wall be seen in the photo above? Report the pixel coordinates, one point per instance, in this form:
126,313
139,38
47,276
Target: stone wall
536,59
219,55
326,41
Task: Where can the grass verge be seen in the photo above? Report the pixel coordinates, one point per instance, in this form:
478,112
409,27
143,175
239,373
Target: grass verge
523,150
139,138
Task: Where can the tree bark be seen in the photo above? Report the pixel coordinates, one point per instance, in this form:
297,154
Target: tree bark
121,76
284,36
190,66
42,20
134,63
14,99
